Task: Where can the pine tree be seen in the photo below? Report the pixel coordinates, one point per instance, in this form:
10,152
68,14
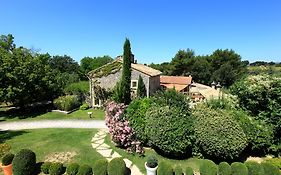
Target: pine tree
141,91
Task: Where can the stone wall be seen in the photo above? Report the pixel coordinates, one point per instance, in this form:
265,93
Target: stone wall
154,84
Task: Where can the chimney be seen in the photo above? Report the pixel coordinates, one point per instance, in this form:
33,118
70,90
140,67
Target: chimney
213,85
218,86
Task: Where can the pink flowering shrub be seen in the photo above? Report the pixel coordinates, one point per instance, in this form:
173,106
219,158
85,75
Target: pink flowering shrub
120,131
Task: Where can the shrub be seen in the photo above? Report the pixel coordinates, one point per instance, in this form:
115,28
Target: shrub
170,130
224,169
100,167
188,171
152,162
45,167
84,106
7,159
72,169
208,167
275,162
178,170
218,134
67,103
238,168
24,162
80,88
135,114
270,169
116,166
56,168
85,170
164,168
4,149
254,168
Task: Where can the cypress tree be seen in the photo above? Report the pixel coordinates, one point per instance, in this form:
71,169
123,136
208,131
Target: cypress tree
141,91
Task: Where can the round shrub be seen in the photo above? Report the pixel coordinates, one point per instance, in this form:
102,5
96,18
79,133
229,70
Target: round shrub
164,168
238,168
270,169
84,106
224,169
275,161
170,130
116,166
208,167
218,134
85,170
178,170
7,159
45,167
72,169
56,168
152,162
135,114
100,167
254,168
24,162
188,171
67,103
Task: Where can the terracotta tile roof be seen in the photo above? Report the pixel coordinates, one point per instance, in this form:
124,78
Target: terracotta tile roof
178,87
146,70
180,80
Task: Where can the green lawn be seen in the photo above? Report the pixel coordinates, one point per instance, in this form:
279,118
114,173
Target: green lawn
47,141
13,115
140,160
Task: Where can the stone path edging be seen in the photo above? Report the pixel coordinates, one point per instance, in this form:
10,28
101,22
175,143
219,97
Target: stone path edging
105,150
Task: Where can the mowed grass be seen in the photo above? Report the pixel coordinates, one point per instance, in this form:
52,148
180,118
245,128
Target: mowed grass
14,115
139,161
45,142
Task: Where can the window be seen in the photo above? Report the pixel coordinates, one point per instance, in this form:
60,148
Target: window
134,84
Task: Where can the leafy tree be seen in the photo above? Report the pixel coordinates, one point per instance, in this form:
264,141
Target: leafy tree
141,91
64,64
180,64
201,70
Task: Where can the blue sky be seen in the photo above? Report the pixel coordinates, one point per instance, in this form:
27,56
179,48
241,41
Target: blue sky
157,29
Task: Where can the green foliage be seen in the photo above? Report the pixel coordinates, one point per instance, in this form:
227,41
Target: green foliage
45,167
170,130
56,168
270,169
275,162
141,91
116,166
188,171
80,88
218,134
181,61
72,169
24,162
7,159
208,167
84,106
100,167
164,168
254,168
152,162
67,103
4,149
106,70
135,114
178,170
238,168
64,64
85,170
224,169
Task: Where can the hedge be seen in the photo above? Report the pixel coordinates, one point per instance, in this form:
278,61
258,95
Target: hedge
238,168
254,168
188,171
224,169
164,168
178,170
45,167
116,166
208,167
85,170
67,103
100,167
24,162
270,169
72,169
56,168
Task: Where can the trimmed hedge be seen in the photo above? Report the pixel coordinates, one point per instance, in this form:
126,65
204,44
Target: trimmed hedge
85,170
116,166
45,167
188,171
254,168
164,168
218,134
170,130
56,168
238,168
100,167
7,159
67,103
274,161
178,170
270,169
208,167
72,169
224,169
24,162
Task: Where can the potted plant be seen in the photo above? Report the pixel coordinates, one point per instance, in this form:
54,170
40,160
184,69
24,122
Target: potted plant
7,164
151,165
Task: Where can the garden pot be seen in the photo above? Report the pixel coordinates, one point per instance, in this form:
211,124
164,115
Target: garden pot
150,171
7,169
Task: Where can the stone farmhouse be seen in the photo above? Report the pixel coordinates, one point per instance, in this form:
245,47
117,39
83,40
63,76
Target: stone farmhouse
108,75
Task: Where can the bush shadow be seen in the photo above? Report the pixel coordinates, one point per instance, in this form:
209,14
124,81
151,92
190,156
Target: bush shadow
7,135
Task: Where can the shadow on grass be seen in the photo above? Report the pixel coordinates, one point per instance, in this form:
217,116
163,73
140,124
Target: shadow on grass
7,135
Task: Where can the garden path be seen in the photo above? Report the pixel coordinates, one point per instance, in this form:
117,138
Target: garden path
108,153
21,125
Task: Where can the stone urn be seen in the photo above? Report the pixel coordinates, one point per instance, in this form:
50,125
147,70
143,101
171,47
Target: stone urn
151,165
